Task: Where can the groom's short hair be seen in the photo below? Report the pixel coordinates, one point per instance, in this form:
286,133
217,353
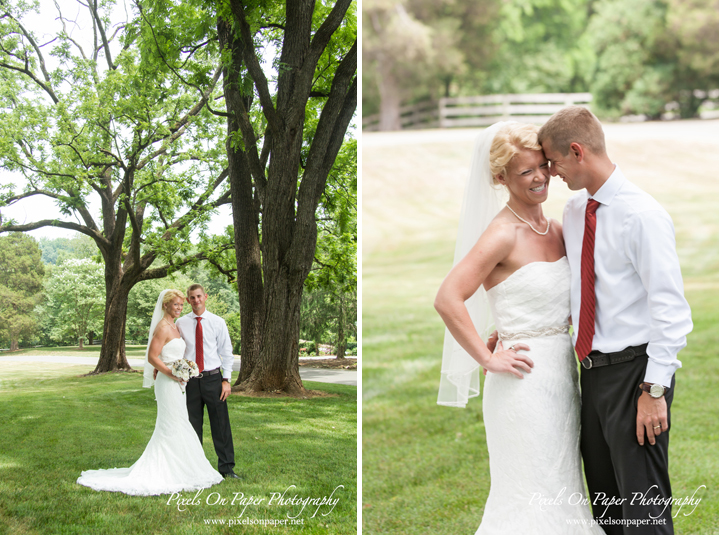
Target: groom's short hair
573,124
194,287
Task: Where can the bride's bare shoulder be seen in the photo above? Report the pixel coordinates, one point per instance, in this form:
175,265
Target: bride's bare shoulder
502,230
162,332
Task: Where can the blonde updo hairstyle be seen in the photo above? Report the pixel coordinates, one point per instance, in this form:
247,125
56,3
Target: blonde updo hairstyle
170,296
507,143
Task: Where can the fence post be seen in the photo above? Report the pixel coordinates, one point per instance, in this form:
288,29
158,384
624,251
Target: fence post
505,107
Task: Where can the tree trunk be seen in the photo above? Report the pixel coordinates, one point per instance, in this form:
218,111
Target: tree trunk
390,97
341,321
278,365
245,215
14,346
270,298
285,271
80,340
112,354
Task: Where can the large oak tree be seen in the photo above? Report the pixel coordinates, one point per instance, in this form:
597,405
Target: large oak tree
130,154
283,140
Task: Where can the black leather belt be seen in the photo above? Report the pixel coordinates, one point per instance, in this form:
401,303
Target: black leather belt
208,372
596,359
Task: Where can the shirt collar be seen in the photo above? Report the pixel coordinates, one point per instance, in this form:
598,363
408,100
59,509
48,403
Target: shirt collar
203,315
610,188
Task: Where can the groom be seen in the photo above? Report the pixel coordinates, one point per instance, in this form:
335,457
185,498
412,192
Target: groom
630,322
209,346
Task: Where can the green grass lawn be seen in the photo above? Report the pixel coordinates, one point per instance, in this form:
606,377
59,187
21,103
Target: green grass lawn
424,467
56,424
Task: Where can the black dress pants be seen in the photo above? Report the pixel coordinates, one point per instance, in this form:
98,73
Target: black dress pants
627,482
204,392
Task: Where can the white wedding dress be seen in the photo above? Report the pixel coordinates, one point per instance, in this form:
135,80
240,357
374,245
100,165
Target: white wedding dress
533,424
173,460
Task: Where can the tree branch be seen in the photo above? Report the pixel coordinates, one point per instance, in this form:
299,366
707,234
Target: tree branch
163,271
189,216
105,43
334,119
254,68
67,35
55,223
205,95
40,57
12,200
34,78
179,127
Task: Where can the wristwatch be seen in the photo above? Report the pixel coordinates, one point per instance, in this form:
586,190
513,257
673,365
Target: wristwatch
653,389
225,380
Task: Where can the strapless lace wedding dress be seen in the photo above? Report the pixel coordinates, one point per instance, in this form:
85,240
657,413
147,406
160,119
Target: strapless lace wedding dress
532,424
173,460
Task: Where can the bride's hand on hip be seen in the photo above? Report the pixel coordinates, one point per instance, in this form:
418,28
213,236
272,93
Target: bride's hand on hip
509,361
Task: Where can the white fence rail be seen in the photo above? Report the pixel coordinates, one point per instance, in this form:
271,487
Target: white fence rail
482,110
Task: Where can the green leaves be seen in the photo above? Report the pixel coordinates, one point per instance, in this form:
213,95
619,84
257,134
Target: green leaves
74,300
21,275
335,268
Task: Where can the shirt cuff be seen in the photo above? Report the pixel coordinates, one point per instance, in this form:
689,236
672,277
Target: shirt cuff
659,373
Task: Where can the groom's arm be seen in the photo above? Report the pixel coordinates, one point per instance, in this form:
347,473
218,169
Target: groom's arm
653,253
224,349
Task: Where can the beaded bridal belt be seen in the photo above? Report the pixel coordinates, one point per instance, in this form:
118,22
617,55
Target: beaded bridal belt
534,334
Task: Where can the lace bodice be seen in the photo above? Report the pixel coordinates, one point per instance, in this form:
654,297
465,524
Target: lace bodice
173,350
535,297
532,424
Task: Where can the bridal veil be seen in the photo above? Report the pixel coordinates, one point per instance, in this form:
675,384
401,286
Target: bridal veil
482,202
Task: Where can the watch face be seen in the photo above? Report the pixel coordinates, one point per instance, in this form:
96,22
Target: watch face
656,391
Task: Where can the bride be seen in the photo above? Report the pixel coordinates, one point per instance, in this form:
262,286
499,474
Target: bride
510,264
173,460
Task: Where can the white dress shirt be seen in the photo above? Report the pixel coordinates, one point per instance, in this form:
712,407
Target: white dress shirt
638,283
216,341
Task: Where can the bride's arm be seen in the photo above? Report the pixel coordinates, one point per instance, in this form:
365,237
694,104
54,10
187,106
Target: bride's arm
462,282
153,355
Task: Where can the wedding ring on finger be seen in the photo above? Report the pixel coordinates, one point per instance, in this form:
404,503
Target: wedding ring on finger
657,427
511,348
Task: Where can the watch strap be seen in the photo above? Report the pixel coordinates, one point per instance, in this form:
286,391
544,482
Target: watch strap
647,387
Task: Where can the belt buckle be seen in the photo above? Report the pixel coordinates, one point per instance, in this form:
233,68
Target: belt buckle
585,365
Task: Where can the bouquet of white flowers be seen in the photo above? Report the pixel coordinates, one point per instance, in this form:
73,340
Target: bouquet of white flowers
184,369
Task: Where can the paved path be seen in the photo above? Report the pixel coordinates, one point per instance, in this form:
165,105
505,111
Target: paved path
341,377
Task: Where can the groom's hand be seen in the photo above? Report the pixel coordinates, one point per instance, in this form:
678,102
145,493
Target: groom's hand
492,341
651,418
491,344
226,389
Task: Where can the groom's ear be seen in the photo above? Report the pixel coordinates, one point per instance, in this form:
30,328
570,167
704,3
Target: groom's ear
577,151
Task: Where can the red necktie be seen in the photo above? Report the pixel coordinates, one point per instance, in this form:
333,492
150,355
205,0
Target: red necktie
588,306
199,346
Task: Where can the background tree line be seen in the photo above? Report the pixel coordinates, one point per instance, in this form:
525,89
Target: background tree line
634,56
55,297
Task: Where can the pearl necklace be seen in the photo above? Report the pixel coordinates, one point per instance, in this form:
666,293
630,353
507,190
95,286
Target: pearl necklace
528,223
